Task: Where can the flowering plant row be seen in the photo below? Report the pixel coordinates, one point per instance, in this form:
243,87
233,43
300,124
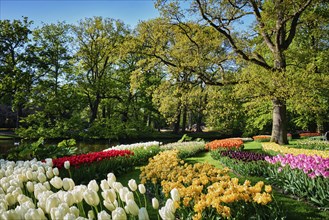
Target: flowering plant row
309,134
84,159
135,146
225,144
242,162
294,151
205,192
186,149
301,175
33,190
312,144
262,138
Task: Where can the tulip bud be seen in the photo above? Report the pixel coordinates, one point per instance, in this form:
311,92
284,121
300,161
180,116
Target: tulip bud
47,185
69,199
49,162
141,188
67,164
143,214
69,216
117,186
111,179
122,193
56,171
30,186
133,207
166,214
91,214
104,185
92,185
175,195
56,182
155,203
129,195
10,214
75,211
33,214
68,184
132,185
119,214
103,215
109,206
91,197
51,202
109,195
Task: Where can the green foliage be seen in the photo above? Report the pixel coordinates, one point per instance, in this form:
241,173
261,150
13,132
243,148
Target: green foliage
185,138
38,150
312,144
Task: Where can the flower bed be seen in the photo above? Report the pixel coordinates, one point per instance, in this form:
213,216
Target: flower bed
225,144
37,192
186,149
312,144
242,162
262,138
309,134
294,151
205,192
135,146
302,175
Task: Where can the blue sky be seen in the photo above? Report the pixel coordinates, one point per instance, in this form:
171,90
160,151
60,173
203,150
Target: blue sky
71,11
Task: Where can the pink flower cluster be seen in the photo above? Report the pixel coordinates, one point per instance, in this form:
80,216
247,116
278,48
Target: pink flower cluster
313,166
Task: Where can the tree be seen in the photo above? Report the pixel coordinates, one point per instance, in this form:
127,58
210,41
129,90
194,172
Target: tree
99,41
16,76
275,27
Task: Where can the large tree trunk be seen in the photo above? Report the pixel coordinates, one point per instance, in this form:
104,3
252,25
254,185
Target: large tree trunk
184,119
279,129
176,125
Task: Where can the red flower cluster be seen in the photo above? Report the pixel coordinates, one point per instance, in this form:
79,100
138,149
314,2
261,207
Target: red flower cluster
309,134
225,143
262,138
78,160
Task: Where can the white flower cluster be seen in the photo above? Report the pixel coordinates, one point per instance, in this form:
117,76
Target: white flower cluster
135,146
34,190
178,145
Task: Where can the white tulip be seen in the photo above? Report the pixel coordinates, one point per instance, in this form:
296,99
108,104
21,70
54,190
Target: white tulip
133,207
141,188
47,185
69,198
30,186
56,182
109,195
9,215
132,185
91,214
143,214
92,185
166,214
69,216
129,195
170,205
91,197
49,162
49,173
74,210
33,214
68,184
56,171
103,215
175,194
117,186
104,185
122,193
51,202
67,164
110,206
111,179
10,198
155,203
119,214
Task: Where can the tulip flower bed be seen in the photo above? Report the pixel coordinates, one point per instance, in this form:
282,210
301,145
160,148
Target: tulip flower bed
262,138
309,134
225,144
302,175
135,146
97,164
243,162
33,190
186,149
294,151
205,192
312,144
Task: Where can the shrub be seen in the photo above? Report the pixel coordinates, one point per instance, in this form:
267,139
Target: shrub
262,138
225,144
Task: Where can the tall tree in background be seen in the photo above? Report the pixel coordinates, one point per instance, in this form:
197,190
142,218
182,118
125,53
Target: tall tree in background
99,41
275,26
16,76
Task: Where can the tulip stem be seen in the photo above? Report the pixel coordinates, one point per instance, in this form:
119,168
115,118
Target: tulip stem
139,199
145,200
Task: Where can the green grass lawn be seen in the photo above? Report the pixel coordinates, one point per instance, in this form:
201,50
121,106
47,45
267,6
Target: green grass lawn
294,209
